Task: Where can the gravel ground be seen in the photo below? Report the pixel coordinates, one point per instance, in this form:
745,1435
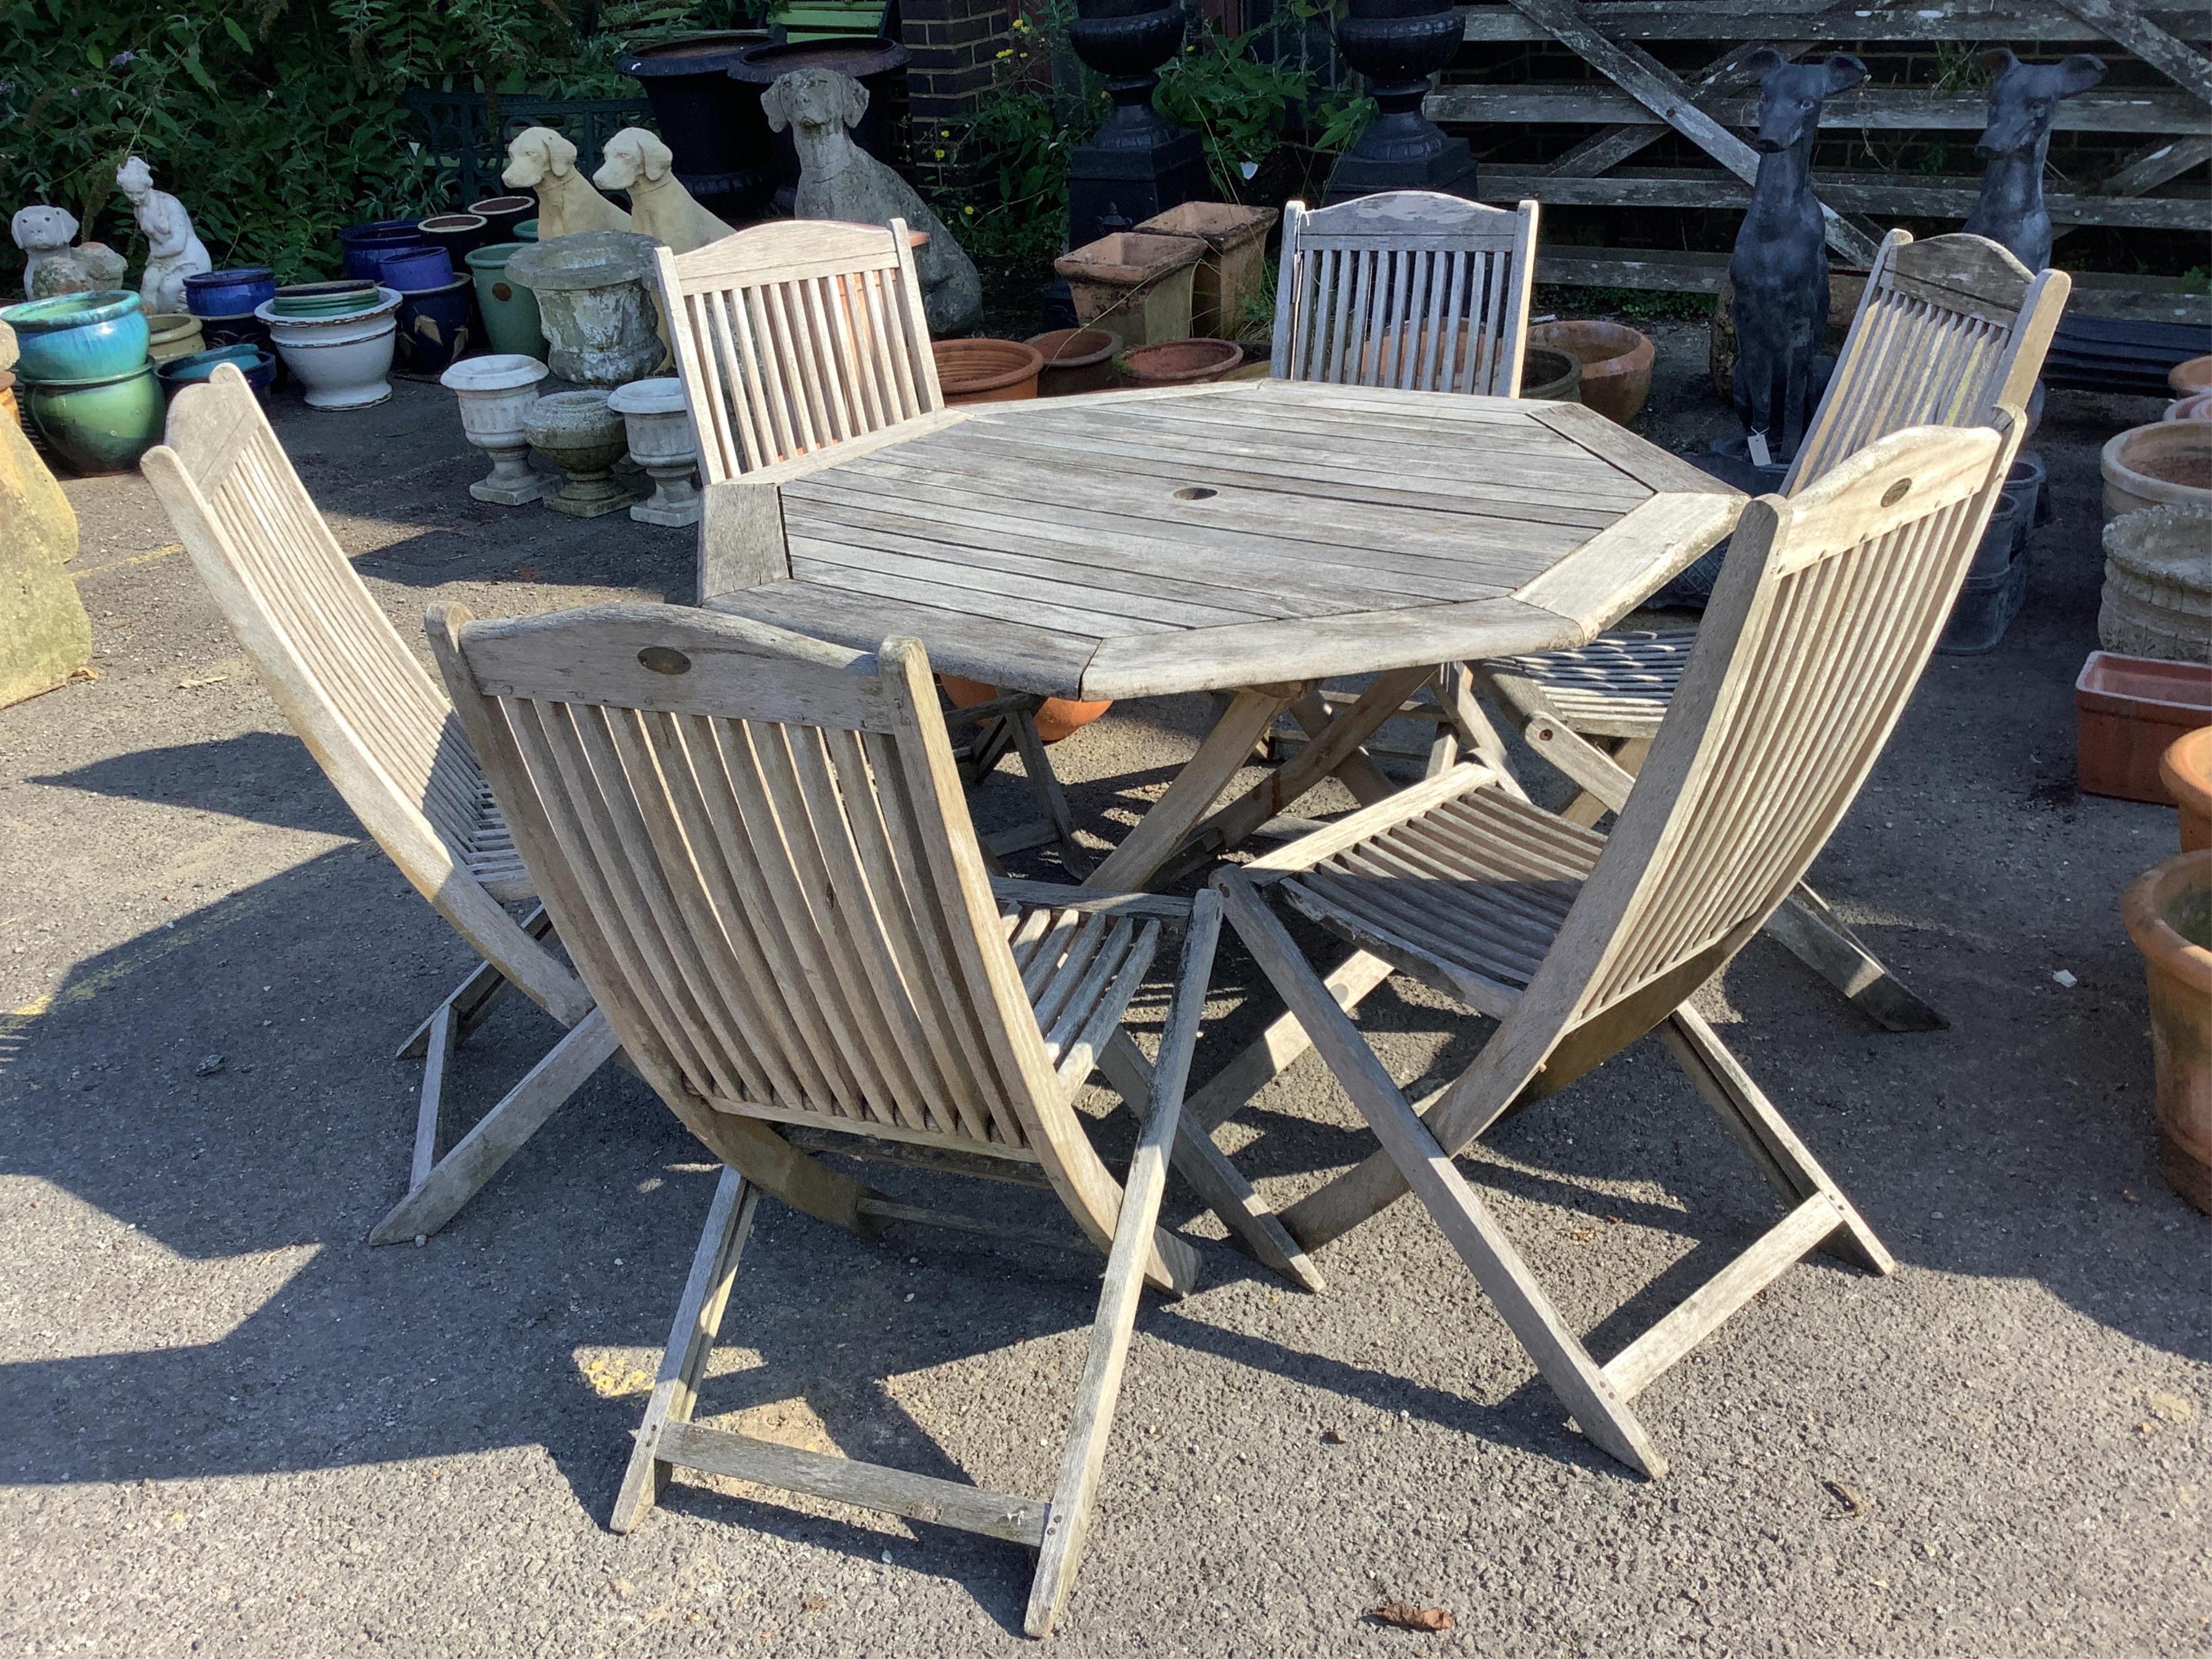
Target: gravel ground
227,1426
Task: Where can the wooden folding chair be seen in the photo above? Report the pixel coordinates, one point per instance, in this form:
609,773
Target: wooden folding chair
796,335
384,735
757,848
1827,609
1420,290
1946,330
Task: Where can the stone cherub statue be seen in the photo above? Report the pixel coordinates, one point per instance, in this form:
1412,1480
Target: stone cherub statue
173,252
838,179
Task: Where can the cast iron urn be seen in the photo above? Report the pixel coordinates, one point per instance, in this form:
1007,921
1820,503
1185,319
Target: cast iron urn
1400,45
1140,163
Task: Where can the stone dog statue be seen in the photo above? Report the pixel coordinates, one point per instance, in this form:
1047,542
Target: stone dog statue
1779,269
173,252
659,206
2023,97
838,179
540,159
51,265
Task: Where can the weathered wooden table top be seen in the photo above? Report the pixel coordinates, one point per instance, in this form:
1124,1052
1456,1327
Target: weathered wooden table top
1134,544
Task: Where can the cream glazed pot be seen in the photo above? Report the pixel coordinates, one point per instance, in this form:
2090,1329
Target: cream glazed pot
663,442
341,361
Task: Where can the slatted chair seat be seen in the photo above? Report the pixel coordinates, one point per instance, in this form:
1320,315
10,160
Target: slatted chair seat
1947,330
386,737
1578,945
757,847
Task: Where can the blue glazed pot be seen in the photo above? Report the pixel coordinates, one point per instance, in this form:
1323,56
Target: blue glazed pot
226,293
415,268
79,336
102,424
355,242
259,367
436,326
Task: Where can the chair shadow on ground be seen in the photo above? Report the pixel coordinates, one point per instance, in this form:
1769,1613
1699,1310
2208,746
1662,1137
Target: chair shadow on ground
267,777
306,984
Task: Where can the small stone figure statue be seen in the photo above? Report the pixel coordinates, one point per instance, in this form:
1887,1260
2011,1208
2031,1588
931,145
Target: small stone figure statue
1779,270
51,265
173,253
2022,98
838,179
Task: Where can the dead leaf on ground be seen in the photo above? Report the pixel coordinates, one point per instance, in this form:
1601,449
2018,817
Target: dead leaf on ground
1854,1505
1332,1437
528,573
1404,1615
621,1587
2171,1407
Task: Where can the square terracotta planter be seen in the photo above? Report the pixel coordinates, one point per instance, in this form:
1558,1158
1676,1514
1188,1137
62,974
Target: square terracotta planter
2130,710
1135,283
1229,277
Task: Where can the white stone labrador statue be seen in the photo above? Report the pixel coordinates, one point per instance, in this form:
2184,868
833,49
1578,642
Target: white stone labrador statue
540,159
173,253
51,265
838,179
659,206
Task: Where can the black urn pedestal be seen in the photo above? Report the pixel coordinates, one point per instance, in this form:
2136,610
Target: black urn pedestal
1140,163
713,126
1400,45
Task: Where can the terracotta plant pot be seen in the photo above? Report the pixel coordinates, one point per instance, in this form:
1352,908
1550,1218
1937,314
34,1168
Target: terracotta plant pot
1138,285
987,371
2129,711
2166,464
2168,914
2197,406
1076,360
2190,378
1616,363
1550,376
1182,362
2185,769
1230,277
1059,718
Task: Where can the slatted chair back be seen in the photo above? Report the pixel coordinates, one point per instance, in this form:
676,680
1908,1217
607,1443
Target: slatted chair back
372,717
1947,330
1827,611
1408,288
795,334
756,849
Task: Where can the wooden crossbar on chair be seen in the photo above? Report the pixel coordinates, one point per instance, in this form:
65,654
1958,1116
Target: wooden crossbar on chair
1578,945
757,848
384,735
1948,331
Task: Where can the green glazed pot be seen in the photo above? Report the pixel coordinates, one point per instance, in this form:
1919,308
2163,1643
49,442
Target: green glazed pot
510,310
100,425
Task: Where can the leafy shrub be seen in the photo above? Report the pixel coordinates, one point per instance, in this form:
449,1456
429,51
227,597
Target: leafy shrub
278,121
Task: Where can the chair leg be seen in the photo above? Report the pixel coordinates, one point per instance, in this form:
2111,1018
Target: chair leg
441,1035
690,1341
1067,1521
472,1001
1566,1365
438,1197
1813,934
1786,1161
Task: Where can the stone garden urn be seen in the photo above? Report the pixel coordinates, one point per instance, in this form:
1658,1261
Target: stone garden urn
1400,45
663,442
579,435
595,302
495,394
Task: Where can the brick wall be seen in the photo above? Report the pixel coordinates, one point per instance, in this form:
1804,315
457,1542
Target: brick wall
954,45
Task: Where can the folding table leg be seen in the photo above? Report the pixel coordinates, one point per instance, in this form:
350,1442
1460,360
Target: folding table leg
1811,932
690,1341
499,1134
1044,782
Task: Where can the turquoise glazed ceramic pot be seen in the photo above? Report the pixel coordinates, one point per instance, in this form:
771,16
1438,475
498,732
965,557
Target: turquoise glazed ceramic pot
509,310
79,336
98,425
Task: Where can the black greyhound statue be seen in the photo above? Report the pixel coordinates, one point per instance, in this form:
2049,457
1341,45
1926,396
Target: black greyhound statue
1779,270
2023,97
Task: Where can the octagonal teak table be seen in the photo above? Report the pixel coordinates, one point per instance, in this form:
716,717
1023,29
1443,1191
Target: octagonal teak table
1254,537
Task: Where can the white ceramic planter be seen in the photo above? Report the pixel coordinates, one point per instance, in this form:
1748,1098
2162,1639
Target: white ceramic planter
579,435
495,394
663,442
341,362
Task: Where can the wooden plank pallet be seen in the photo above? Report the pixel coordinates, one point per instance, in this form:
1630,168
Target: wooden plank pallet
1638,100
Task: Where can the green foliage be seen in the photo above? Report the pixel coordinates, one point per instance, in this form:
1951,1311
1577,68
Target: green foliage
279,121
1240,104
1629,304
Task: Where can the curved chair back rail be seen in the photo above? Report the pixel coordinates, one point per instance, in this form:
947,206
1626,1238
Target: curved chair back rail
793,336
1407,288
1947,330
